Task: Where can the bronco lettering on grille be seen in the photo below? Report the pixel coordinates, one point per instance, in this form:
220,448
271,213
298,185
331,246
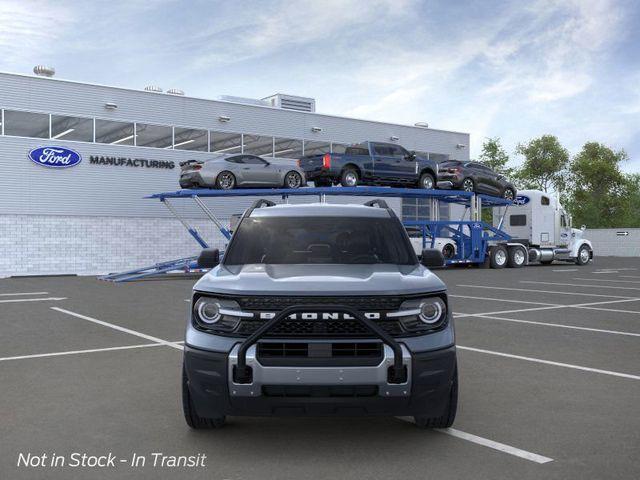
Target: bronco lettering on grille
320,316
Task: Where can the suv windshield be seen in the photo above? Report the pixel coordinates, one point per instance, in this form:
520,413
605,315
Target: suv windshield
324,240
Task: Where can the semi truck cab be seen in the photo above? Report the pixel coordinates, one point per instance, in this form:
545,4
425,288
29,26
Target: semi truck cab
538,221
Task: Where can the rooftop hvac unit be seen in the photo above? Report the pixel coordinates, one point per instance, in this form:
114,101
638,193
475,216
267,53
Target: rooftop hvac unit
175,91
291,102
44,71
153,88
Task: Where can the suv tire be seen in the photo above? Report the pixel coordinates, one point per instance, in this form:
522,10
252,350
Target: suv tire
349,177
191,417
449,415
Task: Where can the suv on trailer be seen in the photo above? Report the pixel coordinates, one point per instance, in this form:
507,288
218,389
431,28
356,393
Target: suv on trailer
319,309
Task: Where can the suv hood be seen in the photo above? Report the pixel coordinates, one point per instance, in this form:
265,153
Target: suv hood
260,279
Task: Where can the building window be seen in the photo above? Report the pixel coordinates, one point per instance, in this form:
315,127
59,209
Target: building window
157,136
26,124
71,128
190,139
225,142
287,148
316,148
115,133
258,145
438,157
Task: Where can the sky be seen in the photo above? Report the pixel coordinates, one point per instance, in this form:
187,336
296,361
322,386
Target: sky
514,70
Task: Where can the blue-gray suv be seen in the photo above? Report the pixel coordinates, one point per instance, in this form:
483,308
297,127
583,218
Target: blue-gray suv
319,310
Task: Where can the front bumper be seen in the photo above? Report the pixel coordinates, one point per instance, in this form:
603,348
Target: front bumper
324,391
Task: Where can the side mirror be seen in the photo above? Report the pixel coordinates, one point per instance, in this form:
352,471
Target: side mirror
432,257
411,156
209,258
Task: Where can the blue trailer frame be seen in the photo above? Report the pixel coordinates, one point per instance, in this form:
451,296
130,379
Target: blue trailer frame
472,237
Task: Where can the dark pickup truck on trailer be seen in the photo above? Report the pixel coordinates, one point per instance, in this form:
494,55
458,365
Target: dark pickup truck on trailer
371,163
320,310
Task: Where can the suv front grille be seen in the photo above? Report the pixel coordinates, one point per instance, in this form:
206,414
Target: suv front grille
359,303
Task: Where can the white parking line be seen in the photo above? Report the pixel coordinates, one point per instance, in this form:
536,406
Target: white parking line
75,352
503,300
78,352
485,442
605,280
551,306
533,457
549,362
27,293
528,290
119,328
629,276
581,285
558,325
48,299
566,270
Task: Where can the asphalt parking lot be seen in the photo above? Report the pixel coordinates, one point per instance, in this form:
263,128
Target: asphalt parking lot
549,363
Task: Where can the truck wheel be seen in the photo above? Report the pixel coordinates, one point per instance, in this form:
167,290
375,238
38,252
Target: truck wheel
517,257
192,418
427,182
584,255
225,180
499,257
446,420
349,178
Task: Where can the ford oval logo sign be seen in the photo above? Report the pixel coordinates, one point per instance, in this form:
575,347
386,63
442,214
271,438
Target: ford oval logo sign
521,200
55,157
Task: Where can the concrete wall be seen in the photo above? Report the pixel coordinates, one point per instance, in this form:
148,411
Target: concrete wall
612,242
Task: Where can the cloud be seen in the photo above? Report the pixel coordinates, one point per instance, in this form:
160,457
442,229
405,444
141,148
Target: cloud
30,29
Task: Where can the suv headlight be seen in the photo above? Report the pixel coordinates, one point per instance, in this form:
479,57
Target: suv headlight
216,314
427,314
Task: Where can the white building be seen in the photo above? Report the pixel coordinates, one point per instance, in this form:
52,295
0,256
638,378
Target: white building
92,218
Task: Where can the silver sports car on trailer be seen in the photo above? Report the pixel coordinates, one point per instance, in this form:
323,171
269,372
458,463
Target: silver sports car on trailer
241,170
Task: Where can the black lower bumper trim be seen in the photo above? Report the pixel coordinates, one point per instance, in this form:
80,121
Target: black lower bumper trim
432,376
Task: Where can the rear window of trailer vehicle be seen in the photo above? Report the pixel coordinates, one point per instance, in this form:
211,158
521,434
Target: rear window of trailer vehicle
320,240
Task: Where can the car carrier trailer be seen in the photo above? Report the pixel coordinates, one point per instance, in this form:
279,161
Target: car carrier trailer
475,242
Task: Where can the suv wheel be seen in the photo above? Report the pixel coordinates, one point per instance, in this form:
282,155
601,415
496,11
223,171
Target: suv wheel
468,185
427,182
293,180
192,418
349,178
449,415
499,257
225,180
584,255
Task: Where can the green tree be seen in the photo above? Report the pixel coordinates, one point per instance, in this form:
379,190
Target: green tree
495,157
545,164
600,195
